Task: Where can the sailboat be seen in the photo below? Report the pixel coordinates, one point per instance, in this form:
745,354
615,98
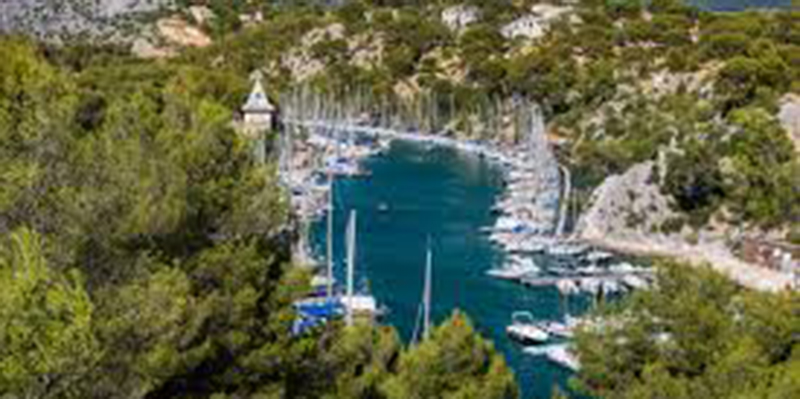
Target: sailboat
426,299
313,312
356,305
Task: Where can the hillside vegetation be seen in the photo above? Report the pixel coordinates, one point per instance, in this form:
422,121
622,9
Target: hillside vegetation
620,82
695,335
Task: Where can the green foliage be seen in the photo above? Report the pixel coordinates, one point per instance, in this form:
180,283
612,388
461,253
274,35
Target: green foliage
363,358
695,181
764,181
751,172
793,236
617,8
47,343
142,185
741,77
454,362
353,14
725,45
482,48
548,75
694,335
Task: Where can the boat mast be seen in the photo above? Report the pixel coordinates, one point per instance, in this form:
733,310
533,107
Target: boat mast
329,240
351,257
426,296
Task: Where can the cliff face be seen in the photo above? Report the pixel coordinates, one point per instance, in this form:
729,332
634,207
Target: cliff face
625,214
58,19
628,206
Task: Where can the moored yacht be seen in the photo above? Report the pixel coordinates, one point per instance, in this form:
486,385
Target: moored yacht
563,356
515,269
524,329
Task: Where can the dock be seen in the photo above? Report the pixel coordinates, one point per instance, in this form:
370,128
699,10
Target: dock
545,281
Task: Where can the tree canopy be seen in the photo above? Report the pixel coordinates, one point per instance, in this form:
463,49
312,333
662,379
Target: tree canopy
145,249
694,335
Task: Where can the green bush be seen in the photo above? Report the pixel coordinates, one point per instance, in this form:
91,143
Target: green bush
724,45
793,236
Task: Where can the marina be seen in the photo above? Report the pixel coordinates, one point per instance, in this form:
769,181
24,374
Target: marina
405,196
492,212
419,187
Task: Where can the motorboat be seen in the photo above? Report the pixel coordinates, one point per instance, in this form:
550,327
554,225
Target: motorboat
565,329
598,256
563,356
559,354
361,305
623,268
515,269
567,250
320,284
567,287
591,285
612,286
524,329
635,282
591,270
525,246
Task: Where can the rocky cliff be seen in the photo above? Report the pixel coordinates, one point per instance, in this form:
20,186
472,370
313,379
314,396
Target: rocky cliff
627,213
58,19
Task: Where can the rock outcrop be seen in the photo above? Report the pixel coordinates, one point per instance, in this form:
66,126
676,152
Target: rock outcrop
789,115
59,19
626,214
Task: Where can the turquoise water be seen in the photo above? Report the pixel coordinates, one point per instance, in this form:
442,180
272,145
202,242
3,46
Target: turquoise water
739,5
414,193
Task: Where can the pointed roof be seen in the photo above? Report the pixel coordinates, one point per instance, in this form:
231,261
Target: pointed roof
258,101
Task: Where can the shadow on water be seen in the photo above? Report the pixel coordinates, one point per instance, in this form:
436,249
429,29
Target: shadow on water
416,192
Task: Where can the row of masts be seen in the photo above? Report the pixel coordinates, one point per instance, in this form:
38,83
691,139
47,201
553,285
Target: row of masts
481,117
332,113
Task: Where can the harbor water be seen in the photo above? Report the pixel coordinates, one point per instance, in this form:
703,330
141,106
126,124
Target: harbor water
417,193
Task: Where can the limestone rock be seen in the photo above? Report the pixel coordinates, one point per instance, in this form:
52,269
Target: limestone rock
144,48
59,19
630,204
789,115
178,32
624,216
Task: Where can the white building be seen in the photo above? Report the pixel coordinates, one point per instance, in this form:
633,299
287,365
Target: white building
259,113
458,17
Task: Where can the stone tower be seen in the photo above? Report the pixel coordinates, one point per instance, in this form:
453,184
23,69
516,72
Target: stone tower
260,115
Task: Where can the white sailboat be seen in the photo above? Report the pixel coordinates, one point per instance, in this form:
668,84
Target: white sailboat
515,269
355,305
329,240
426,325
426,299
560,354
